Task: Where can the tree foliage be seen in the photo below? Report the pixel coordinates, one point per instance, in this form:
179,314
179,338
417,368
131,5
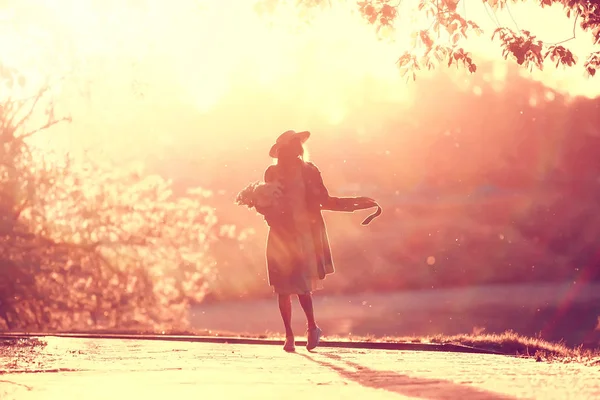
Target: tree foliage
442,40
87,245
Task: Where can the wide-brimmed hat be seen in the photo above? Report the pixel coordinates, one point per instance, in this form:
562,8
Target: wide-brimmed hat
286,138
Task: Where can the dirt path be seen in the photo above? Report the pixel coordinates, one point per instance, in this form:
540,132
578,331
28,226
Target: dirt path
129,369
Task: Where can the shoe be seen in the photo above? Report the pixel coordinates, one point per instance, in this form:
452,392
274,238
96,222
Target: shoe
313,338
289,345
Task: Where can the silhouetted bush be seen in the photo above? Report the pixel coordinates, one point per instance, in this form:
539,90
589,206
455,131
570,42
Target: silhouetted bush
88,245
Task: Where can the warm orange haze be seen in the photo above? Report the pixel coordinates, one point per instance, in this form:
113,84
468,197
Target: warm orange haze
123,218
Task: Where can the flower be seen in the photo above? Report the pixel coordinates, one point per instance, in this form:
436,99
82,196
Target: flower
246,196
260,194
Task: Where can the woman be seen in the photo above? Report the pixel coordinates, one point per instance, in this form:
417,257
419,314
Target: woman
298,252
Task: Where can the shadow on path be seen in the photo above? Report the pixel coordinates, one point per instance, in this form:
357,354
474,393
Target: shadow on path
391,381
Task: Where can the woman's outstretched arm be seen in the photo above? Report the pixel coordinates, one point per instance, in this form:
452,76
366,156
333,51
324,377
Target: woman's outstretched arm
332,203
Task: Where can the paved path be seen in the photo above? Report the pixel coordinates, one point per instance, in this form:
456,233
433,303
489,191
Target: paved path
91,369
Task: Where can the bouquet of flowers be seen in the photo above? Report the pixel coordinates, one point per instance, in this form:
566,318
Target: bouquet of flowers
260,195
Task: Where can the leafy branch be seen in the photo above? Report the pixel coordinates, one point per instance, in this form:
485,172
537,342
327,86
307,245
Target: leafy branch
447,28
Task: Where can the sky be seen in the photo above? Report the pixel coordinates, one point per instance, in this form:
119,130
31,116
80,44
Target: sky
141,75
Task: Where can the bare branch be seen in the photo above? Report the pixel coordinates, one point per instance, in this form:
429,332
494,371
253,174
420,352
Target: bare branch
27,115
512,18
47,125
569,39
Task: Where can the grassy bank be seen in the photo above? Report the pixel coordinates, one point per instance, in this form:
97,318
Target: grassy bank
508,343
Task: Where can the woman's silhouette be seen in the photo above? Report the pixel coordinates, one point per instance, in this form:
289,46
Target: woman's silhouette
298,252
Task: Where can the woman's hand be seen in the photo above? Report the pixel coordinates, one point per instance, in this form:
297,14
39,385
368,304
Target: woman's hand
366,202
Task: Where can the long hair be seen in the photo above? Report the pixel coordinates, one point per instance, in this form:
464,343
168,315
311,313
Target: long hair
287,154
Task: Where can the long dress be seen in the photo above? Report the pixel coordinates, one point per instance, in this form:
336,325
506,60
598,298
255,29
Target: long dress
303,276
298,252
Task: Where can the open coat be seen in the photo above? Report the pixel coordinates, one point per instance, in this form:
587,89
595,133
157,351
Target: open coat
282,243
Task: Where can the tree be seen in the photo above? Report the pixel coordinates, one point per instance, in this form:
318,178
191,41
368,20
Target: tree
441,41
87,245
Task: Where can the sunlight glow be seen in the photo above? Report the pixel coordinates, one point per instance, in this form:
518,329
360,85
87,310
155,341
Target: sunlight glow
144,67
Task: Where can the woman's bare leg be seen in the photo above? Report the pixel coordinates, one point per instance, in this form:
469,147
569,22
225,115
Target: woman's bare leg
307,305
313,333
285,308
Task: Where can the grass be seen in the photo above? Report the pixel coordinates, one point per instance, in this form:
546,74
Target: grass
19,343
509,343
14,351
